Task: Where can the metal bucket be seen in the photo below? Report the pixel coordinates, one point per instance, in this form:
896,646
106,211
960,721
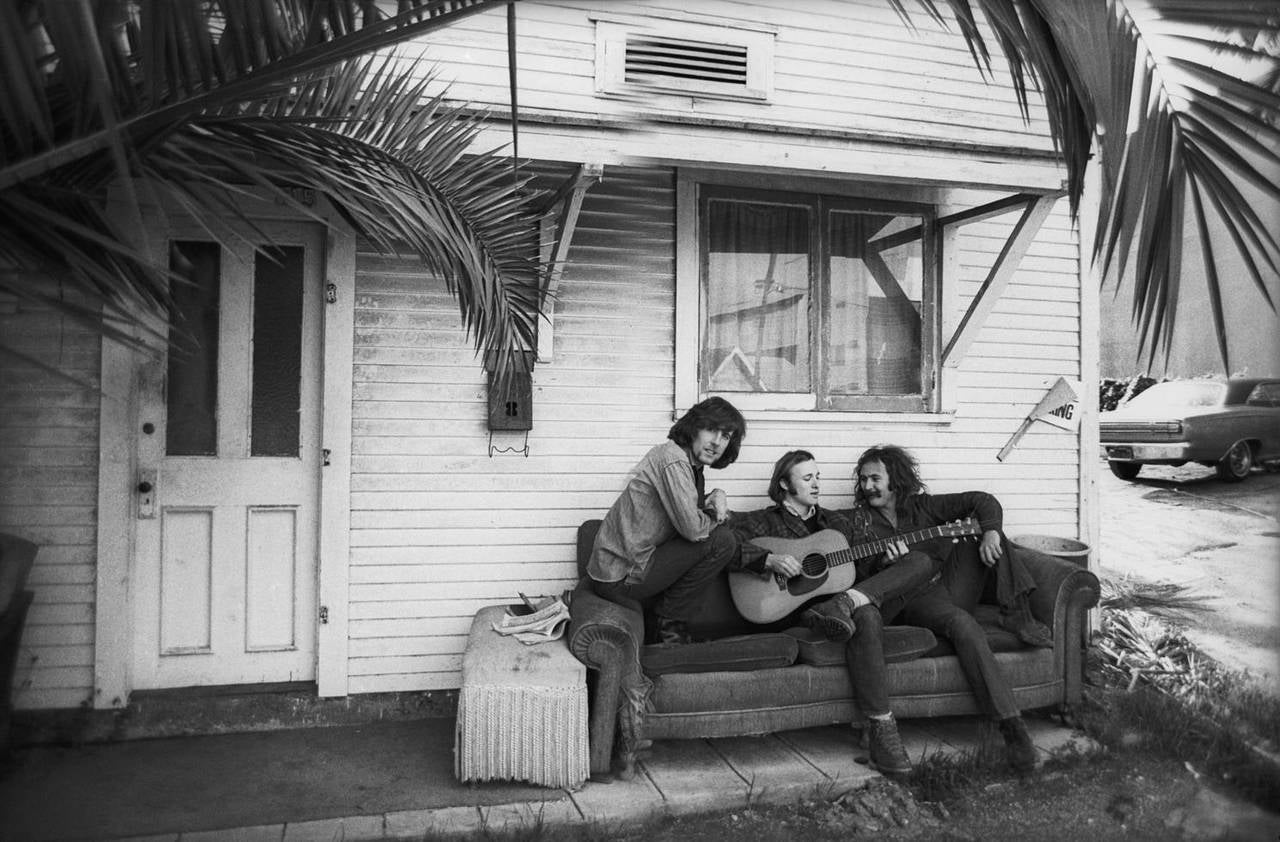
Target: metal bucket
1067,549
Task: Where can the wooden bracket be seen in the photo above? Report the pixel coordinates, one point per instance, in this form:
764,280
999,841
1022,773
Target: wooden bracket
568,200
1035,211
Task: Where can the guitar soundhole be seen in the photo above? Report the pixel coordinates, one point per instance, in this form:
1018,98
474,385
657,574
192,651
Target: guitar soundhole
813,572
814,564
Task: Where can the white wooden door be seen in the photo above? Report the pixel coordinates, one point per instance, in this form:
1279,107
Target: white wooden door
229,459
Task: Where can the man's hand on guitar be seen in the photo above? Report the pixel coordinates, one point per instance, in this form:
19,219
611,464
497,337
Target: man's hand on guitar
990,550
783,565
894,551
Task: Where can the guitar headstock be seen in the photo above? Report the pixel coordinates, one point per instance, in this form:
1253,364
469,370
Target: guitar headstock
958,529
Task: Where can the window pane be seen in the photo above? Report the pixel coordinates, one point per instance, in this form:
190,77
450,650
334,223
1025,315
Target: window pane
191,387
876,287
756,338
277,352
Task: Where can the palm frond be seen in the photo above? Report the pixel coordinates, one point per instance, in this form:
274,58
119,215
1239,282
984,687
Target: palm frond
201,104
1180,100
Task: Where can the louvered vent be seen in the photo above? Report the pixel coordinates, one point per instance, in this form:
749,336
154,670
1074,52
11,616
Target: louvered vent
658,60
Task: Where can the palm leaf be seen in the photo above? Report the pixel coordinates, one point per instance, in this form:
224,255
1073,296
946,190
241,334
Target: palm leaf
1146,86
202,103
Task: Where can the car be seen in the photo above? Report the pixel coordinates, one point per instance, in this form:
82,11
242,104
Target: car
1230,425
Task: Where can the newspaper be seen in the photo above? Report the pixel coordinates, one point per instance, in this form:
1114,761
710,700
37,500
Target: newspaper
546,623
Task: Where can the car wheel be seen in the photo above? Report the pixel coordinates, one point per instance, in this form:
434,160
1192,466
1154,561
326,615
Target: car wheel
1125,470
1236,465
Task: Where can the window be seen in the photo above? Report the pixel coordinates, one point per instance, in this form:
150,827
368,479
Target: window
816,302
678,57
1265,394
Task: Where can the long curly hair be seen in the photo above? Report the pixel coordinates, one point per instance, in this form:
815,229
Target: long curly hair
712,414
900,466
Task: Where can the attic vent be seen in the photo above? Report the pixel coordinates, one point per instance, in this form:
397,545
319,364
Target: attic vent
651,60
678,57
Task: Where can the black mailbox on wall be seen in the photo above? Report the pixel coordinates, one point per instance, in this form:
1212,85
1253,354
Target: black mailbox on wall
511,398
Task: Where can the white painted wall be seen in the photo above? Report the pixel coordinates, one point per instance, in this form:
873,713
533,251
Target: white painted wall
441,528
49,495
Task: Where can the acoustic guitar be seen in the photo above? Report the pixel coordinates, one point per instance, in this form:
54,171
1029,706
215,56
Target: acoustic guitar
826,568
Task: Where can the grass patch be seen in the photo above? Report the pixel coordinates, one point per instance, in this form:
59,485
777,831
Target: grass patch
1154,689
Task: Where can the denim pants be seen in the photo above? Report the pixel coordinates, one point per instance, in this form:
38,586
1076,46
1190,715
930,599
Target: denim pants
678,575
888,591
934,609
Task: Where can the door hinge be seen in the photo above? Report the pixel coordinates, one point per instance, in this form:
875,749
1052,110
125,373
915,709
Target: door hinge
324,457
324,615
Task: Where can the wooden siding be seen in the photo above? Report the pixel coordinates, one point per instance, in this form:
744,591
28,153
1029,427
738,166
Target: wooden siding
49,494
838,65
441,528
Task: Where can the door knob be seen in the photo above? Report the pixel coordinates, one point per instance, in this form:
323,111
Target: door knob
144,487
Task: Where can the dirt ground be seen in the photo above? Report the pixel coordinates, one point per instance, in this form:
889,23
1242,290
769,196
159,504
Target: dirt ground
1220,540
1135,797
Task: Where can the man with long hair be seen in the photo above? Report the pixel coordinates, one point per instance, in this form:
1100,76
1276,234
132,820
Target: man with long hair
665,540
892,500
852,616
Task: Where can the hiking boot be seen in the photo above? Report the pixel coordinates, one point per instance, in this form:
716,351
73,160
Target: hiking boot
832,617
673,632
888,755
1022,754
1028,629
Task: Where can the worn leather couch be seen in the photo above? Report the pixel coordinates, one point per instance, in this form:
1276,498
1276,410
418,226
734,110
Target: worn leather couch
757,680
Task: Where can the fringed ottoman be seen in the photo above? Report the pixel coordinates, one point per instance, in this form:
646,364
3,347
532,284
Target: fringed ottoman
522,709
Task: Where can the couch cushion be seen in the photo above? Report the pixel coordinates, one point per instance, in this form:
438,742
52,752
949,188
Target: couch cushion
901,643
728,654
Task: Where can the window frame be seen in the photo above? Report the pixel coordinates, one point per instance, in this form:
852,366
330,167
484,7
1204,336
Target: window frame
694,192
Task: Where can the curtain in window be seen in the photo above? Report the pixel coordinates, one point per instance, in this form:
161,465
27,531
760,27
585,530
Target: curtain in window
756,338
875,306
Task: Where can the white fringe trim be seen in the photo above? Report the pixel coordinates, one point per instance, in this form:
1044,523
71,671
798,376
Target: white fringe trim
535,734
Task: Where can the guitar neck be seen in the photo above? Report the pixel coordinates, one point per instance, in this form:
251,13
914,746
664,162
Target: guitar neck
879,545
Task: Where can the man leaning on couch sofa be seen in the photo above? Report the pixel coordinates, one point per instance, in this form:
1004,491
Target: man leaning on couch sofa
747,679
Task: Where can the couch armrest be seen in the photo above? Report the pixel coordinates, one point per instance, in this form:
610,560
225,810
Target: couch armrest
607,637
1064,593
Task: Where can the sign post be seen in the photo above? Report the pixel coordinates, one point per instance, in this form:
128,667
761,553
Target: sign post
1060,407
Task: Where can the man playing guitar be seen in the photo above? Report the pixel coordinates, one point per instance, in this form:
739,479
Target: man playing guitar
892,499
854,615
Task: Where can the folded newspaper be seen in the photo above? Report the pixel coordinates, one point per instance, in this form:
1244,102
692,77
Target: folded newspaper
546,623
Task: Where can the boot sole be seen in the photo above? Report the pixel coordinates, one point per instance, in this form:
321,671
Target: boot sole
832,628
889,772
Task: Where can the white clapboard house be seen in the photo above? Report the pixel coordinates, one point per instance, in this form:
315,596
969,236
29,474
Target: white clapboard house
831,220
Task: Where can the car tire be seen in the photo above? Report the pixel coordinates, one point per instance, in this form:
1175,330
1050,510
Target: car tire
1236,464
1125,470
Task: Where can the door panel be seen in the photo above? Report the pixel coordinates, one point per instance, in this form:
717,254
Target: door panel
226,556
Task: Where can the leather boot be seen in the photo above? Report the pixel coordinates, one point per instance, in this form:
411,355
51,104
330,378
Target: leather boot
833,617
1021,752
888,755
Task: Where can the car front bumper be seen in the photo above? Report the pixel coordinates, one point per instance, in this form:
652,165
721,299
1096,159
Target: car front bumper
1180,451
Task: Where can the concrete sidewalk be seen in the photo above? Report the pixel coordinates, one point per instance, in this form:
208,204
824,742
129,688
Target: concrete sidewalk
394,780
